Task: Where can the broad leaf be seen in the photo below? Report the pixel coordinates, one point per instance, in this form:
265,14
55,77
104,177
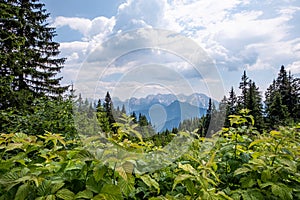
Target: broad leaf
65,194
150,182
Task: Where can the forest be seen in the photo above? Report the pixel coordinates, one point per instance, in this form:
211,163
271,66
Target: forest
54,144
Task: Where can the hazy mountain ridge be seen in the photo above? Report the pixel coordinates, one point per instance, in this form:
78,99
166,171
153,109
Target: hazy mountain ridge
196,99
173,109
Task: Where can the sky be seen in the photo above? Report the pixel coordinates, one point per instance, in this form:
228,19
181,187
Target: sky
139,47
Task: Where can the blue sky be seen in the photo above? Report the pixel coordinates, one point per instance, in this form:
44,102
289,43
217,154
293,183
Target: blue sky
106,51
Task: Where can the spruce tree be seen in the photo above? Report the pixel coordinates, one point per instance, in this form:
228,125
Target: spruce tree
244,87
232,102
109,109
230,106
102,118
296,99
28,61
207,118
293,102
277,111
133,115
284,93
254,104
143,120
283,83
123,110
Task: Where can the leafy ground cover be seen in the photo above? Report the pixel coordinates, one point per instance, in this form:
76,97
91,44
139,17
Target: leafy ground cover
236,163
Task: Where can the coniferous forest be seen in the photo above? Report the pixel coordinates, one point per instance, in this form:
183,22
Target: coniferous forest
55,144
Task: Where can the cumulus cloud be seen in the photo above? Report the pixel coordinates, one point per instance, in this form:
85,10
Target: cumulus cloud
100,26
237,34
80,24
135,14
294,67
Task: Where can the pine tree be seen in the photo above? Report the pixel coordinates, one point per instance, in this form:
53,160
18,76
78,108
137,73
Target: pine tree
232,102
133,115
244,87
28,54
277,111
296,99
229,105
123,110
108,108
207,118
284,87
286,93
99,107
143,120
254,104
102,118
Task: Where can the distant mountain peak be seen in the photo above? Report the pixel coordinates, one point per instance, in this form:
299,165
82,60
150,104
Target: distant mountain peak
177,107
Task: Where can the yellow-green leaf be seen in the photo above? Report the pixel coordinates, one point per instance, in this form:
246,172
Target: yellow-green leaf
65,194
150,182
188,168
241,171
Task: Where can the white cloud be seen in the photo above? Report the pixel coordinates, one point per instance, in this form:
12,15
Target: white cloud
257,35
135,14
80,24
100,27
294,67
75,52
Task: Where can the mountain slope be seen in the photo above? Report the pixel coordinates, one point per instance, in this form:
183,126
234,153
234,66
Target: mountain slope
166,111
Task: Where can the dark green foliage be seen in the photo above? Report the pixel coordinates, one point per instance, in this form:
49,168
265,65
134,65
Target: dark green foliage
236,163
250,98
102,118
212,122
163,138
244,85
229,106
143,120
282,100
277,111
108,108
28,60
133,115
254,104
123,111
55,148
207,118
55,116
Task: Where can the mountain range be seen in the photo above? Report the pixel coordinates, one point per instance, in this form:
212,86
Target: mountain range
166,111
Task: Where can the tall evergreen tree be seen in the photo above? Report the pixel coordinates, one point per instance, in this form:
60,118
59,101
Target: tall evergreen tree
123,110
244,84
207,118
229,106
283,83
296,99
29,63
293,101
109,109
282,99
102,117
277,111
143,120
232,102
254,104
133,115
